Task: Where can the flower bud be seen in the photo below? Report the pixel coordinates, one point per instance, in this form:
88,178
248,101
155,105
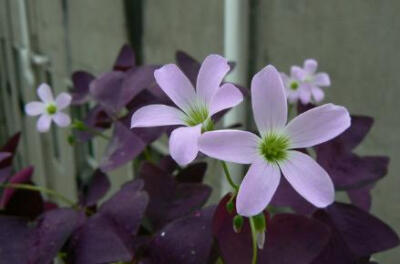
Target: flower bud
238,223
229,206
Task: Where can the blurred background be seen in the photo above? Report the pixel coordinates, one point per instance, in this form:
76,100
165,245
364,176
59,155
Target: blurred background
356,42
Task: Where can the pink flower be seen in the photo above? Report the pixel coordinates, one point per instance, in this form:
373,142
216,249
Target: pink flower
49,109
293,83
310,82
272,152
195,107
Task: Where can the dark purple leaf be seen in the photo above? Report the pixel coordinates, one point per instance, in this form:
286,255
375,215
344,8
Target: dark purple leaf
189,66
5,172
81,81
137,80
289,238
108,236
4,155
361,197
123,148
107,91
97,120
126,208
11,147
125,59
363,233
99,240
293,239
170,199
52,231
19,202
97,188
193,173
168,164
14,239
187,240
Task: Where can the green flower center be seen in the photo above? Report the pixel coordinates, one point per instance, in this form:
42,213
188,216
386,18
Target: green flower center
197,114
294,85
51,109
274,147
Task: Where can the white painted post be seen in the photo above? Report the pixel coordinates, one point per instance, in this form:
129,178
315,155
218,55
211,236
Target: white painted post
236,23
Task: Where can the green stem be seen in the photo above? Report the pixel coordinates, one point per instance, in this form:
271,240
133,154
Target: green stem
228,176
147,155
254,240
40,189
97,133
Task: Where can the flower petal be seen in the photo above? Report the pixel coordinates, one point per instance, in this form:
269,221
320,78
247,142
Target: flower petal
227,96
322,79
317,125
43,123
63,100
62,119
45,94
305,93
34,108
176,85
317,93
157,115
268,100
297,73
257,188
230,145
212,72
308,178
183,144
310,66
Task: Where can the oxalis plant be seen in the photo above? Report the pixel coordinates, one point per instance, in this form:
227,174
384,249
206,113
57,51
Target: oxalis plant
283,211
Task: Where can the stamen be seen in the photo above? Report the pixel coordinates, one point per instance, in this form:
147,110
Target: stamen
51,109
274,147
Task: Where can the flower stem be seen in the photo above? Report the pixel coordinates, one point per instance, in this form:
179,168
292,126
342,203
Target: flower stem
254,240
40,189
228,176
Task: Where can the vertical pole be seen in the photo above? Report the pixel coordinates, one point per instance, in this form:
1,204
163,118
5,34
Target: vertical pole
236,25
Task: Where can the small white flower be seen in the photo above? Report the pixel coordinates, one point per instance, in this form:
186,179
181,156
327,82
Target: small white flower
49,109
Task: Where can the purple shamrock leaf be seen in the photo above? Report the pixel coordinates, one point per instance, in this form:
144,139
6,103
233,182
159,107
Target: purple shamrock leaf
96,120
109,235
187,240
170,199
51,233
355,234
19,202
125,59
81,81
97,188
5,164
289,238
193,173
14,239
124,147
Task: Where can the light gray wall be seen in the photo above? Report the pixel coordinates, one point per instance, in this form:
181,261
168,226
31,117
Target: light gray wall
357,43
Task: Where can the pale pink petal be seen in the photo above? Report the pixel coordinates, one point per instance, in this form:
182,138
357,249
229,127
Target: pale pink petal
297,73
310,66
317,125
230,145
285,78
211,73
176,85
34,108
45,94
317,93
227,96
61,119
63,100
322,79
305,93
43,123
268,100
183,145
257,188
308,178
157,115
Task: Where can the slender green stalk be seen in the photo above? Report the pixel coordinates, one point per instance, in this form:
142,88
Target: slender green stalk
228,176
254,240
97,133
40,189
